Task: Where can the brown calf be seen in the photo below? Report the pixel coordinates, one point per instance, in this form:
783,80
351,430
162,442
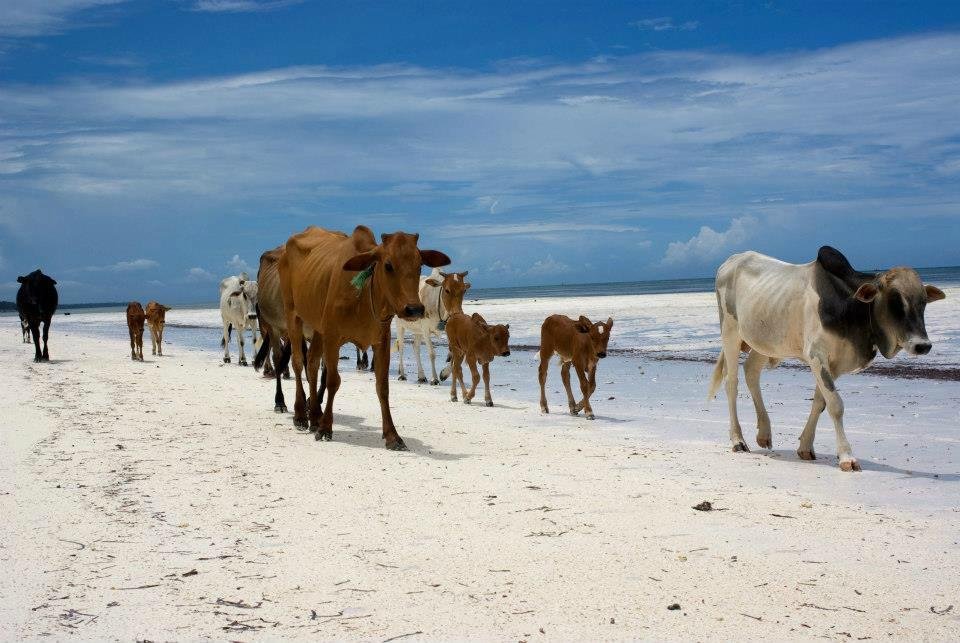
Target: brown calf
156,318
322,289
579,342
471,338
135,319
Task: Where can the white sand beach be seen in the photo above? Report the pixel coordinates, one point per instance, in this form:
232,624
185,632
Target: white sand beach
166,501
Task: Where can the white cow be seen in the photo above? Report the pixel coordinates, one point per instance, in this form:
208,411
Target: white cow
238,308
824,313
441,294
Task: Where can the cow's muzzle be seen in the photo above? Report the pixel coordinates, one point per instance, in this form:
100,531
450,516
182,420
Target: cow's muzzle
413,312
505,354
602,354
921,347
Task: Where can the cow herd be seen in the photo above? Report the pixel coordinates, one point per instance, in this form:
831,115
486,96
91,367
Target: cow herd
323,289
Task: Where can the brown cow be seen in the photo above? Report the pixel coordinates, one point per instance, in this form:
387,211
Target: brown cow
156,317
579,342
322,289
471,338
135,319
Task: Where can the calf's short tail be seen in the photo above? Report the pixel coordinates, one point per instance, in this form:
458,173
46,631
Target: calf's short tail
719,372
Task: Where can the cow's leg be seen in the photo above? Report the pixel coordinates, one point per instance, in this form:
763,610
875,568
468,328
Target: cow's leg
46,335
160,342
401,332
592,378
805,451
381,362
240,343
752,368
295,324
585,389
153,340
432,353
133,343
140,343
37,353
330,354
488,399
314,357
456,362
421,376
281,356
731,354
565,378
834,403
475,379
542,374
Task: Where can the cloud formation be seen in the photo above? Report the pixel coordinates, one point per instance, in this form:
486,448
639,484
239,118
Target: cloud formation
241,6
125,266
664,23
23,18
708,244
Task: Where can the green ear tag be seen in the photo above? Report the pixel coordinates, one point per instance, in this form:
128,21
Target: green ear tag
360,280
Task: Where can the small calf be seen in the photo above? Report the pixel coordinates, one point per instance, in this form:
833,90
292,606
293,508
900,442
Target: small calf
156,317
471,338
135,320
579,342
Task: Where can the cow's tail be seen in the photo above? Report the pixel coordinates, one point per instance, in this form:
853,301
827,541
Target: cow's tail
262,353
719,372
223,342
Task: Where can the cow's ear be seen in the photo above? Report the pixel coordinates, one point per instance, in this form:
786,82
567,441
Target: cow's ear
466,285
867,292
584,324
385,237
933,293
433,282
361,261
434,258
507,326
20,280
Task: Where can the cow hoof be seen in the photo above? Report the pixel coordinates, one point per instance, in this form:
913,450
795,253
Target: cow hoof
300,423
421,380
574,412
489,402
397,445
466,401
453,398
806,455
764,443
38,359
242,362
740,447
590,416
434,382
325,435
545,410
280,408
849,465
226,360
402,378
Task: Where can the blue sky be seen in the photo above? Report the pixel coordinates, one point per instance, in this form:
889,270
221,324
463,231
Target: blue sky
149,148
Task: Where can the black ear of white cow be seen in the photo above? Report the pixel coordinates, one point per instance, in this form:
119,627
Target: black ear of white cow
867,292
933,293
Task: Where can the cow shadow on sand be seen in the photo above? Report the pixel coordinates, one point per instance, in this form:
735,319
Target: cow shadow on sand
865,464
355,431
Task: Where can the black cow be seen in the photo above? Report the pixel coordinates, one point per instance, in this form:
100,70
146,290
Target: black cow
36,303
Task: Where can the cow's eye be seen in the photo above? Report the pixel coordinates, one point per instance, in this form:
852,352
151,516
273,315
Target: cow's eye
388,266
446,290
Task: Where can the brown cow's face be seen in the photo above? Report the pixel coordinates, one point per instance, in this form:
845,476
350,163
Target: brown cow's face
398,272
600,336
500,338
453,288
898,299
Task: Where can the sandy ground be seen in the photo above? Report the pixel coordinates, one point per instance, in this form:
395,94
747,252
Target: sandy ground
166,501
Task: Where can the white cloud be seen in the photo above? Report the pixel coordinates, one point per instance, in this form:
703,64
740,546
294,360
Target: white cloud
23,18
198,274
241,6
547,267
709,244
238,265
533,228
125,266
664,23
